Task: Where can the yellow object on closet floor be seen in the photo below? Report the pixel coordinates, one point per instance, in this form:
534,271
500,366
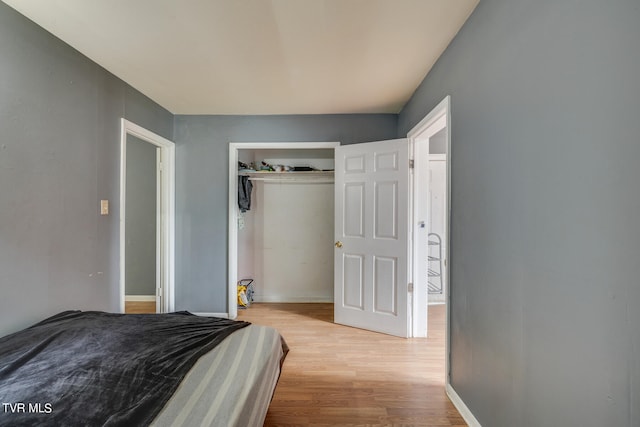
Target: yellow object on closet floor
245,293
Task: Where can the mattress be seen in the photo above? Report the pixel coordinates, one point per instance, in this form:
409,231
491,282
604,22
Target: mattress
176,369
232,385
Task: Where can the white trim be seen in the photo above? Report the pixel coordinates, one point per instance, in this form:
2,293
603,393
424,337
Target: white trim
282,145
412,297
221,315
159,232
438,157
465,412
438,112
139,298
167,149
232,250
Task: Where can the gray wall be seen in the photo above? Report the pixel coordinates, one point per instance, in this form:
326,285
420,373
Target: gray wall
202,157
59,155
140,224
545,227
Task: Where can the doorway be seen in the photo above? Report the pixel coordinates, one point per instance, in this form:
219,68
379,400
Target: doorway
276,189
430,140
381,281
146,219
142,263
371,203
437,237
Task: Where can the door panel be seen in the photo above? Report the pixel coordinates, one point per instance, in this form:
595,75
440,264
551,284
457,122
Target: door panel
354,209
354,164
354,274
371,233
386,161
386,210
385,284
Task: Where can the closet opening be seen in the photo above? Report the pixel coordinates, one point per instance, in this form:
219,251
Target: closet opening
281,232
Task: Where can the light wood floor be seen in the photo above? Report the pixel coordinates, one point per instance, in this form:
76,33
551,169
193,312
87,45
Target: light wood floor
139,307
336,375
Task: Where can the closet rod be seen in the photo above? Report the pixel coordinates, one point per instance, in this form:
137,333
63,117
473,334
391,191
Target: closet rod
295,180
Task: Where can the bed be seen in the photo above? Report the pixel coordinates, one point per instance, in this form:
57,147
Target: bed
176,369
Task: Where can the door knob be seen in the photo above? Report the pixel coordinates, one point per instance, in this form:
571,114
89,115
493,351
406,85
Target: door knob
338,244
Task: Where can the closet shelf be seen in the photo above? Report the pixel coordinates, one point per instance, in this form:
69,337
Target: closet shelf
293,176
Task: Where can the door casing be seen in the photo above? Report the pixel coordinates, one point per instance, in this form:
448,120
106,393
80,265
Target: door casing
437,119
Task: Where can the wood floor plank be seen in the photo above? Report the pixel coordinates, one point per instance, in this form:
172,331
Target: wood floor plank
337,375
139,307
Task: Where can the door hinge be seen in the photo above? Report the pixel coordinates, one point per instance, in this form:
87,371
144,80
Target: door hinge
410,287
411,163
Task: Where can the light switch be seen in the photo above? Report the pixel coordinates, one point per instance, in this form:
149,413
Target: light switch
104,207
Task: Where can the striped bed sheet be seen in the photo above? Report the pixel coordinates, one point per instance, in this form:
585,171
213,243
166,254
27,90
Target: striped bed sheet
232,385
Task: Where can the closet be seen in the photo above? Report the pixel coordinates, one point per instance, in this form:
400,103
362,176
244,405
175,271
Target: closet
285,239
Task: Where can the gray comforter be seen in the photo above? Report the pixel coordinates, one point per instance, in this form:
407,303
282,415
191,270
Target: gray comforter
95,368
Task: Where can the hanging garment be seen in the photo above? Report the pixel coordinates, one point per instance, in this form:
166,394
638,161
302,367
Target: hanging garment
244,193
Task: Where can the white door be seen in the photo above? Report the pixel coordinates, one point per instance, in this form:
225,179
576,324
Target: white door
371,236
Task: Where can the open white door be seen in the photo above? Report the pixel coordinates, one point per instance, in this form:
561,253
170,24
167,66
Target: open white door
371,235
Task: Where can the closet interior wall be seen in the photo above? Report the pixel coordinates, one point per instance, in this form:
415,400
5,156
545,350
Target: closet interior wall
285,241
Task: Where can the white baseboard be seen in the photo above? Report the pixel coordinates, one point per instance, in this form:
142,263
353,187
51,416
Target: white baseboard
287,298
222,315
467,415
139,298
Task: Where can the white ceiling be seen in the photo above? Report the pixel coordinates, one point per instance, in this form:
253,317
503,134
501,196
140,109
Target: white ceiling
260,56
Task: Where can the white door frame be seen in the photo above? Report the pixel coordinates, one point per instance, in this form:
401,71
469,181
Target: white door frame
232,251
166,212
439,117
